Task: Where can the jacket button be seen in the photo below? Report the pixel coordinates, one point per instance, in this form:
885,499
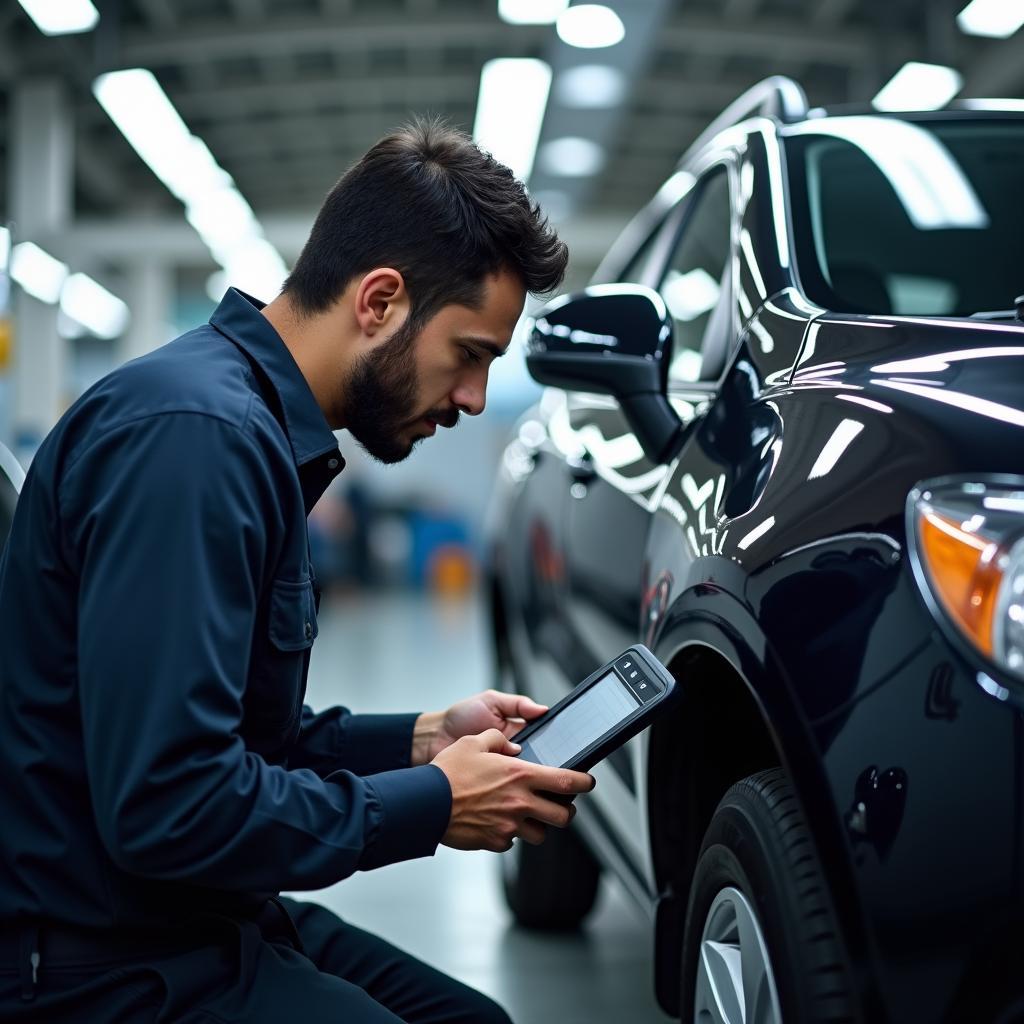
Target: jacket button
332,463
309,631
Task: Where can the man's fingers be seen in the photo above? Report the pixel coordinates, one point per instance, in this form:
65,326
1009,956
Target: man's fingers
495,742
552,812
562,781
516,705
531,832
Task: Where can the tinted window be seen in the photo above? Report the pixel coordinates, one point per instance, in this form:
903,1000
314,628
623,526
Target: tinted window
696,274
915,218
639,265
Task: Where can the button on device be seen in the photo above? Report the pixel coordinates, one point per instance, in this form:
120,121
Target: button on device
624,665
309,631
644,688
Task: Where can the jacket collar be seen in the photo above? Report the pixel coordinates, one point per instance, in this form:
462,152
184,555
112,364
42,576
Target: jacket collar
240,319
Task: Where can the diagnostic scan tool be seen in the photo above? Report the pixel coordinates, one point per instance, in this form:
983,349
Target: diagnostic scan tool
609,707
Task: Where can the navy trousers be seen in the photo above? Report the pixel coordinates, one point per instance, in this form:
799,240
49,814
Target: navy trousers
311,969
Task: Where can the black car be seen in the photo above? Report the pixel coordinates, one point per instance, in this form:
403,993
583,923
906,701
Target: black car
782,446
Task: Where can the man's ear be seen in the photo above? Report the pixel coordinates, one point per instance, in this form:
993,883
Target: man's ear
381,301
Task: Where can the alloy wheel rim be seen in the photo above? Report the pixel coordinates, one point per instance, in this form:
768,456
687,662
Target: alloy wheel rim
735,980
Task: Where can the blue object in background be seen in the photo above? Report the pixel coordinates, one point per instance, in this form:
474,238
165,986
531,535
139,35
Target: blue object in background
430,532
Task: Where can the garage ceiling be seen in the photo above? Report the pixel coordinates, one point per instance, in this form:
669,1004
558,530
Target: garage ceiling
287,93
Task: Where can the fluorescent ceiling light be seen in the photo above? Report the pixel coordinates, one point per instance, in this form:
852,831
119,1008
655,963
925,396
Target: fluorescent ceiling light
213,205
146,117
572,157
89,303
5,247
256,268
531,12
223,219
61,17
918,86
510,110
924,174
590,86
997,18
590,26
39,273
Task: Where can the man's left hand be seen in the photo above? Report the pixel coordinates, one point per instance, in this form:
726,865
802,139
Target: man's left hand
506,712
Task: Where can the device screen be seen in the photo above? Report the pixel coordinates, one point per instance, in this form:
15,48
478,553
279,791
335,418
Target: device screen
600,708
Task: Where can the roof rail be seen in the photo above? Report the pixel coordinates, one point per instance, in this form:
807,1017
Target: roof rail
778,96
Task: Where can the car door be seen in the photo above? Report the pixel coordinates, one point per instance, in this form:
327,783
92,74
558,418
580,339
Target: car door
613,485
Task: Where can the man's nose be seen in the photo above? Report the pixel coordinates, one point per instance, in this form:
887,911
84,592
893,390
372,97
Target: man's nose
471,396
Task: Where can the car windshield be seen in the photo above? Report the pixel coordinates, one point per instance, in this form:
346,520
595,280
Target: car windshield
919,218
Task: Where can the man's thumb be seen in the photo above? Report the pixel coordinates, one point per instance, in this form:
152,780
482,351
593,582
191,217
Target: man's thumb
495,742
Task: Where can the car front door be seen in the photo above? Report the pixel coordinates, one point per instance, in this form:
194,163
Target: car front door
612,484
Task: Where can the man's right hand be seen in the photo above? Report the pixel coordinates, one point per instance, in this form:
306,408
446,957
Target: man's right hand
496,797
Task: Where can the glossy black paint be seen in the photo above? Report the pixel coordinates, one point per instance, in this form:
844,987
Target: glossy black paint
779,589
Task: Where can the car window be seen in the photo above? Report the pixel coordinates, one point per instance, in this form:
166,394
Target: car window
638,268
695,278
909,218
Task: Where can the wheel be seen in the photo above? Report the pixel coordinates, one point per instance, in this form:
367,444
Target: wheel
553,886
760,943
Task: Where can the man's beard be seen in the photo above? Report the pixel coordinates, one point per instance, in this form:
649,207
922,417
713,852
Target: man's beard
381,394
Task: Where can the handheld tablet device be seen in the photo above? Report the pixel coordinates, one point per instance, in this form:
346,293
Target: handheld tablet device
609,707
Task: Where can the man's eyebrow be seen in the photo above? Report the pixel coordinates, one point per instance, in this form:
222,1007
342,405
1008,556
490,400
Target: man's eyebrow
488,346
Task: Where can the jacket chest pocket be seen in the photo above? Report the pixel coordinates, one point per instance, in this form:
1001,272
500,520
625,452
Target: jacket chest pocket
280,661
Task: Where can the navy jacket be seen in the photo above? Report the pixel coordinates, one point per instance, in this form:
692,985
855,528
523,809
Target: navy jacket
157,609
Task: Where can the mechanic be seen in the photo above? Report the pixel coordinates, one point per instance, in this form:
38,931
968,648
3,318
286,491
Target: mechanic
163,780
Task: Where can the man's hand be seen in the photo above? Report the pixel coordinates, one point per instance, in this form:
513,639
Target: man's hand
496,797
436,730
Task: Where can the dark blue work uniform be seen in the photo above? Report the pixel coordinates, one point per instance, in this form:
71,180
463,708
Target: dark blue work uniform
162,778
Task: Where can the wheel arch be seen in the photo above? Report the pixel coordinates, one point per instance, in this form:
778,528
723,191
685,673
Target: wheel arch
735,716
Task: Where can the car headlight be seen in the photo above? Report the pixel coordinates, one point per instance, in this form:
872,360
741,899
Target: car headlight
967,541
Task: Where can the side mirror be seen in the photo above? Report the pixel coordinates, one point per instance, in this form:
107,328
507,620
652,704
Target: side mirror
613,340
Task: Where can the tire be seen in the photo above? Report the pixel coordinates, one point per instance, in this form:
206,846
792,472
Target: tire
551,887
759,898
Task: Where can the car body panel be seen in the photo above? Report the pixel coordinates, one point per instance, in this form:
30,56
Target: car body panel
774,541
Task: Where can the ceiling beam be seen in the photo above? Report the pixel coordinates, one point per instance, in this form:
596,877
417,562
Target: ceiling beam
249,10
830,12
356,34
160,13
123,240
739,10
784,38
416,91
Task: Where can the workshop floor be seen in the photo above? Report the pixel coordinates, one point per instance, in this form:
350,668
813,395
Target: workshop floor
410,653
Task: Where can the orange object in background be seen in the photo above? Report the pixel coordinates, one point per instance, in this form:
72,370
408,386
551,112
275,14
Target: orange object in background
451,571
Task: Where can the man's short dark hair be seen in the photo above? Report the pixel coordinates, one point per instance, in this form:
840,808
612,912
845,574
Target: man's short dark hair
426,201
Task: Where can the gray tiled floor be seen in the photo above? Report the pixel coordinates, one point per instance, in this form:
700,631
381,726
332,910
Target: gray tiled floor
406,653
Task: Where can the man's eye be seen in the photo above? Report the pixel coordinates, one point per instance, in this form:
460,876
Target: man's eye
471,355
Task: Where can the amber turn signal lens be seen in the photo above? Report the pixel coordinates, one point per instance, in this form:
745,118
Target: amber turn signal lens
964,572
